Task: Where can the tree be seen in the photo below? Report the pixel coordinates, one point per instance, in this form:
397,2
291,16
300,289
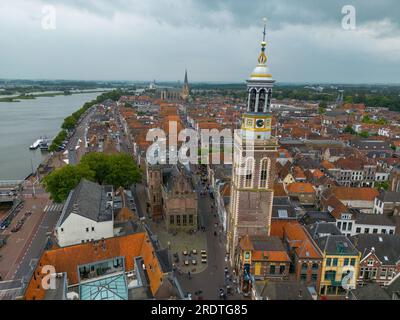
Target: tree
382,185
123,171
349,129
61,181
69,123
99,163
58,140
364,134
366,119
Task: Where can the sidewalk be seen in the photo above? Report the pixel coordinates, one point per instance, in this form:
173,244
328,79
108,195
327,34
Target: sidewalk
15,248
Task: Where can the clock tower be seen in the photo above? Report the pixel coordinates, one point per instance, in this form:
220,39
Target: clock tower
255,152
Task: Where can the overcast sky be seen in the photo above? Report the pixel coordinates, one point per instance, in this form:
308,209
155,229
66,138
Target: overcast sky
216,40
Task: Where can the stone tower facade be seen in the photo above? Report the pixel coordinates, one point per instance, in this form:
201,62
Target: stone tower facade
255,153
154,195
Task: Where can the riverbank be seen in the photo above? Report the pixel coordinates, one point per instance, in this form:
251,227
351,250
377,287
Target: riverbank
32,96
22,123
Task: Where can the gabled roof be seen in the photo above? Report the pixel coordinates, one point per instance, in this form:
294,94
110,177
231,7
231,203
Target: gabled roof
264,247
300,187
349,193
386,247
68,259
300,241
283,290
336,245
370,291
88,200
322,228
334,206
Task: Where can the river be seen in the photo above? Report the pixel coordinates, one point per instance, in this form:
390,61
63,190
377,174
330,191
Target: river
22,123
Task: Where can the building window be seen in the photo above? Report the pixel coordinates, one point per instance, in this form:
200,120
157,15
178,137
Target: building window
264,172
370,263
87,229
314,276
190,219
346,262
362,270
358,230
350,226
178,220
353,262
303,277
391,231
330,275
261,101
252,101
272,269
375,231
383,273
366,230
282,269
184,220
339,225
383,231
335,262
62,229
328,262
92,228
315,266
171,219
249,173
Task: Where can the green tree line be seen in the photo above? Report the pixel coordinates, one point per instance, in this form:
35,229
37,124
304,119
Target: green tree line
118,170
71,121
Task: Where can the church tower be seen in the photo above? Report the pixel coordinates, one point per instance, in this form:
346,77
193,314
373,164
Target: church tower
185,90
255,153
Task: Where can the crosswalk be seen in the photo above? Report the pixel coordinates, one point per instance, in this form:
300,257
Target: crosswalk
54,207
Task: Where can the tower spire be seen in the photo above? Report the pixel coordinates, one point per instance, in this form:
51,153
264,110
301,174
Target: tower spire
262,59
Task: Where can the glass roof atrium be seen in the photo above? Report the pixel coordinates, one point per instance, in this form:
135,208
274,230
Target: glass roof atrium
113,287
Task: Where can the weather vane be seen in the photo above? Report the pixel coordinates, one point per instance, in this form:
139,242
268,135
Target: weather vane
265,27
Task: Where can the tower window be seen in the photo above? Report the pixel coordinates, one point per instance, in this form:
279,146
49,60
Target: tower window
264,172
248,173
252,102
269,100
261,101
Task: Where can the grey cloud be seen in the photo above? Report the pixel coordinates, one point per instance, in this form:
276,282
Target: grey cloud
243,12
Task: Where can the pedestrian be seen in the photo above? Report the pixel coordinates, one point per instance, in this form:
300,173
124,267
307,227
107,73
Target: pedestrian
189,275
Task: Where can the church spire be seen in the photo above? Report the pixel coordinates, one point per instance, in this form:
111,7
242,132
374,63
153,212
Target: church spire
186,82
186,89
